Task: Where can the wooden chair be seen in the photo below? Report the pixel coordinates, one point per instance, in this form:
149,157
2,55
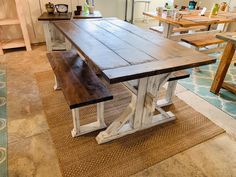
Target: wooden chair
81,87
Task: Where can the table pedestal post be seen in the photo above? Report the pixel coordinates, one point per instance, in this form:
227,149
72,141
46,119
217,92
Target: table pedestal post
139,114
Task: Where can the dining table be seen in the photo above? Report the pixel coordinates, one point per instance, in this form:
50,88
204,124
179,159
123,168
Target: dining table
226,60
124,53
190,19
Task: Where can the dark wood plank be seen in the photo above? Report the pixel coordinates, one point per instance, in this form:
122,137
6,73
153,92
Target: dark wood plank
202,40
154,68
91,48
56,16
150,43
155,51
80,85
114,43
152,37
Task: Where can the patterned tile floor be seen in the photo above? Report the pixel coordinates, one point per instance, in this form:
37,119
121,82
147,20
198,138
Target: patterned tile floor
200,83
3,123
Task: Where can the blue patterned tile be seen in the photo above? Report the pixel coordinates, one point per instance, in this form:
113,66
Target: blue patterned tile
200,83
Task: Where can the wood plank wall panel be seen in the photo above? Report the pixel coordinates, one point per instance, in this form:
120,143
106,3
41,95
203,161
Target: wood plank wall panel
8,32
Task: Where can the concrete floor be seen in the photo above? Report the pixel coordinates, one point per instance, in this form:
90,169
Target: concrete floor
31,151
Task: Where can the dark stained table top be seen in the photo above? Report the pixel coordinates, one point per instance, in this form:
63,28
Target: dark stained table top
56,16
122,51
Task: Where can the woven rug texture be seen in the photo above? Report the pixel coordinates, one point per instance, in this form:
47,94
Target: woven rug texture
82,156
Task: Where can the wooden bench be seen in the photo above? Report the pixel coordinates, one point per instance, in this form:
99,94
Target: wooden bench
81,87
172,83
200,41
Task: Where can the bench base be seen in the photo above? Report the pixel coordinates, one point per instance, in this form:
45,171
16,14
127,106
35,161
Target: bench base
84,129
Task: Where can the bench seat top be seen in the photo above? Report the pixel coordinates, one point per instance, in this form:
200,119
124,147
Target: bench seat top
80,85
177,75
202,40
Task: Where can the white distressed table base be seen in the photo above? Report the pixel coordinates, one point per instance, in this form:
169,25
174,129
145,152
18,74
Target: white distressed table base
139,115
127,129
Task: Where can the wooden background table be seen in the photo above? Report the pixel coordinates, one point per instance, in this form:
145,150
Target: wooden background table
54,40
122,53
225,62
189,20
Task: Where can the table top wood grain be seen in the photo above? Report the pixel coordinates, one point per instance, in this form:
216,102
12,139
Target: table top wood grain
122,51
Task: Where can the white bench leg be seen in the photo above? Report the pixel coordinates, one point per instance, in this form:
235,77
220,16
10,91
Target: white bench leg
170,92
87,128
197,69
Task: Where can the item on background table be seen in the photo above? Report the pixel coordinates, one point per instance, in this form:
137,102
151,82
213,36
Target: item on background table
177,16
91,9
170,12
223,6
159,10
167,6
86,8
183,7
192,5
202,13
90,2
50,8
78,10
214,10
61,8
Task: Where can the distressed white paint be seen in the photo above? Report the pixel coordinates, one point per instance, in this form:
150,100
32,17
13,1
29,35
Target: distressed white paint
87,128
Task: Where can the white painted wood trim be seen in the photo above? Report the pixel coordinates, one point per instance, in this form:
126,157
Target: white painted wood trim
170,92
47,33
79,130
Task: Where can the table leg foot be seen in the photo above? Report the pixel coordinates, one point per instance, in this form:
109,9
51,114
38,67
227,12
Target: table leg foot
160,119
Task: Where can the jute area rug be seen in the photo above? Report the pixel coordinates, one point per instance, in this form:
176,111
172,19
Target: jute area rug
82,156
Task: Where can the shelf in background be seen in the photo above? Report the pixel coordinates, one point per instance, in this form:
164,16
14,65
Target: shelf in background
9,22
12,43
